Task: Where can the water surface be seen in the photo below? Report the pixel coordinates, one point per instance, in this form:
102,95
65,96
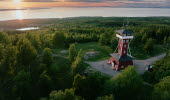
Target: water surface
28,28
77,12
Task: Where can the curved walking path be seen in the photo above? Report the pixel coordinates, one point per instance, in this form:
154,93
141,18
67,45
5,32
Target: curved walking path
140,65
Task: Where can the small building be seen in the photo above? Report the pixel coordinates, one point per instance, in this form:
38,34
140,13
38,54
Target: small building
121,59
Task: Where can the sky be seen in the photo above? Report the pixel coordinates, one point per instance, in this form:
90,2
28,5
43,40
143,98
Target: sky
13,4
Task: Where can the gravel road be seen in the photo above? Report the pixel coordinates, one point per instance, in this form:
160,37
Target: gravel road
140,65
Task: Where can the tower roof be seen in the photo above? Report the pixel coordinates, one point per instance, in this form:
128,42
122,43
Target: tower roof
121,57
124,31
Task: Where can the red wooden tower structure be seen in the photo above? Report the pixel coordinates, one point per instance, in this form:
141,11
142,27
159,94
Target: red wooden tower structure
122,59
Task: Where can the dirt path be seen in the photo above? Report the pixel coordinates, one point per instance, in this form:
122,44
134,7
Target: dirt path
140,65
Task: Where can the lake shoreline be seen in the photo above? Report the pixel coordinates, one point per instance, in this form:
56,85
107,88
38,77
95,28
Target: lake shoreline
85,17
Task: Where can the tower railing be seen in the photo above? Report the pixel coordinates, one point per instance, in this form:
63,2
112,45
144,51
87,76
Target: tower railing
124,37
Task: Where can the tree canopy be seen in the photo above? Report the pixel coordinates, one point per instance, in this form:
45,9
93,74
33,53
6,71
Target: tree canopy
47,57
72,52
162,89
128,80
35,64
58,39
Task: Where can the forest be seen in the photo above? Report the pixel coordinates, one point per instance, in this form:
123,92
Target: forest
49,63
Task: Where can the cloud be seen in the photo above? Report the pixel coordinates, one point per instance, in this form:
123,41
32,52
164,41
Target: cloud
92,0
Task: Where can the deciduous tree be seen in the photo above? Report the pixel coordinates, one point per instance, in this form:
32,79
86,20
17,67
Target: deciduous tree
114,43
47,56
1,52
4,38
127,84
22,88
68,94
35,41
109,97
103,39
10,59
58,40
89,87
162,89
27,53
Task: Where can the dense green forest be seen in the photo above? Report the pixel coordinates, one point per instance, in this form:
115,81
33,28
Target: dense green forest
49,63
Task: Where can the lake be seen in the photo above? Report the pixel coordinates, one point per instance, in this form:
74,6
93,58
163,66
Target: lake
27,28
62,12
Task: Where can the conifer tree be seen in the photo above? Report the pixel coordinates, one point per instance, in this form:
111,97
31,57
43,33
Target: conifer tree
78,65
148,48
72,52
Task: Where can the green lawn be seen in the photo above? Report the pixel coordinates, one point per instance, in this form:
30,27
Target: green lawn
103,51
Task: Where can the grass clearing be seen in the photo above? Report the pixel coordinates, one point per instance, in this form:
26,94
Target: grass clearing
103,51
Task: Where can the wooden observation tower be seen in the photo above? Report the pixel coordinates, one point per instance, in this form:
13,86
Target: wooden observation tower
122,59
